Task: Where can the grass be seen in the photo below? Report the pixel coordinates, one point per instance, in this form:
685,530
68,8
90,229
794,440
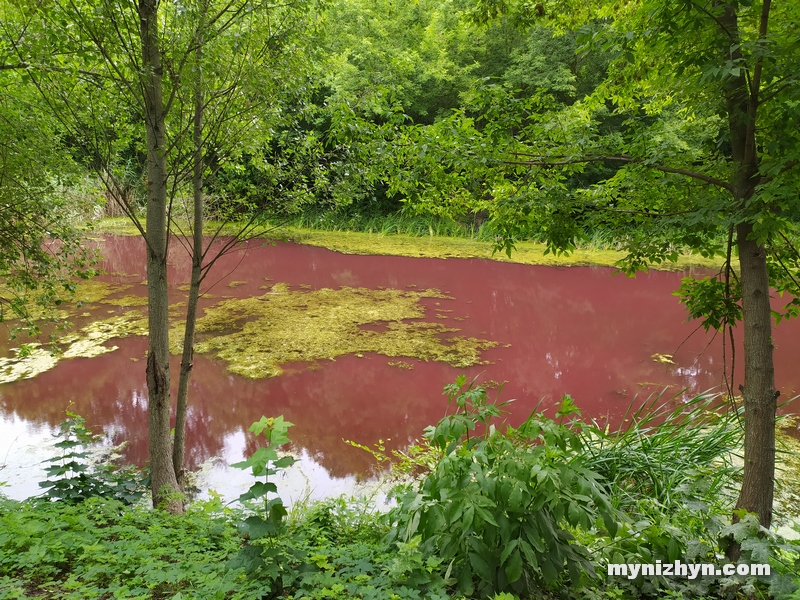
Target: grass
417,238
663,445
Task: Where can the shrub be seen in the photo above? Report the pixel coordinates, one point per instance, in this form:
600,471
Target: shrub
73,478
498,507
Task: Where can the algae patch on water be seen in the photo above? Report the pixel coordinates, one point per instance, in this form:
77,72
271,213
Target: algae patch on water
86,343
125,301
26,364
98,291
527,253
257,335
89,341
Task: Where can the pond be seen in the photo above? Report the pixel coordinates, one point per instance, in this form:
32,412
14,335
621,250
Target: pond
352,347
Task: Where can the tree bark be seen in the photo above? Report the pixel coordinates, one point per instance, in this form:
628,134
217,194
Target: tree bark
760,396
164,483
179,445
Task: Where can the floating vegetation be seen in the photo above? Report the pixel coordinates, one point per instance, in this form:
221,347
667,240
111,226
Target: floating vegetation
663,358
400,364
234,284
98,291
655,384
125,301
493,384
32,359
255,336
528,253
27,363
88,342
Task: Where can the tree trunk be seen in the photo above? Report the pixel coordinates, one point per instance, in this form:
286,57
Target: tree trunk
741,103
760,396
164,483
179,446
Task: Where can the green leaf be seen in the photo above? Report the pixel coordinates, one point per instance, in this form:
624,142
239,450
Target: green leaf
481,567
284,461
256,527
514,566
610,523
258,490
258,461
465,584
549,571
507,550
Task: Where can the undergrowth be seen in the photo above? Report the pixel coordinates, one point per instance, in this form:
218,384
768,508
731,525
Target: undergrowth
507,513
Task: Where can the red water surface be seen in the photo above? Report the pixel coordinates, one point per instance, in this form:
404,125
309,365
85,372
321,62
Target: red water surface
578,330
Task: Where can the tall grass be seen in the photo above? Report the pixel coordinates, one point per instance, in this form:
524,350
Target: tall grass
662,449
398,223
394,223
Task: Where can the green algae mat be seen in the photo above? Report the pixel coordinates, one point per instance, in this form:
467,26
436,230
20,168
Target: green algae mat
254,336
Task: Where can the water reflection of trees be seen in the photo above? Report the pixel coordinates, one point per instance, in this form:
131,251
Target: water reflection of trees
576,331
345,399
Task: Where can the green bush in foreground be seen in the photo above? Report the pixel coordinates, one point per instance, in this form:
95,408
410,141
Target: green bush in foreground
103,549
498,507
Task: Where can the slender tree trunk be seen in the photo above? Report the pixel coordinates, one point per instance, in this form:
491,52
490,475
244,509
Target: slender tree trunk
162,474
179,446
760,396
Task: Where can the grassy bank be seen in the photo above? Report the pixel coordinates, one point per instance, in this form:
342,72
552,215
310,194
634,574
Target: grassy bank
430,246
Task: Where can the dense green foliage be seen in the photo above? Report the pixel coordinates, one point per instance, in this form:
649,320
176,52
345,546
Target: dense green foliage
99,547
40,206
513,495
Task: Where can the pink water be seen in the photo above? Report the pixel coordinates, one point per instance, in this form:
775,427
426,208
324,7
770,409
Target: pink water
577,330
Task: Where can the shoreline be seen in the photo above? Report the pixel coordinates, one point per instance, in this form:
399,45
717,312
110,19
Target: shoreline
376,244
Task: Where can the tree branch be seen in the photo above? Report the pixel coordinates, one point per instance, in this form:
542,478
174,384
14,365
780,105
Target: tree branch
626,159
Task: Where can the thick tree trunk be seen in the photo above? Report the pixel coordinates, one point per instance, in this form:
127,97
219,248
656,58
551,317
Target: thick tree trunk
164,483
760,396
179,446
741,103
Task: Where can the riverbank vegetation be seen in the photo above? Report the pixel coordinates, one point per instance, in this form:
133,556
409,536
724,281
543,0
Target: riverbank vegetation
423,238
475,522
652,131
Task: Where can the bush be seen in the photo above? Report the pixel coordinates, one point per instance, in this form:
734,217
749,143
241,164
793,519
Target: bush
73,478
499,506
101,548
